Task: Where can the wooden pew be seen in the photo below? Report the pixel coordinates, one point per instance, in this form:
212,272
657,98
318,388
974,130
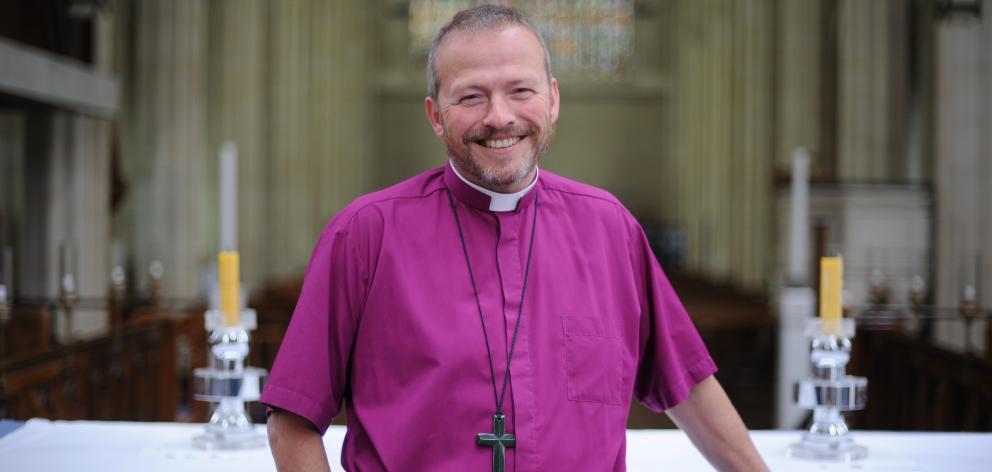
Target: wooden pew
133,373
917,386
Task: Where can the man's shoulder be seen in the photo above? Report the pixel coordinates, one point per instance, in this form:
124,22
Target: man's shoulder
575,190
418,187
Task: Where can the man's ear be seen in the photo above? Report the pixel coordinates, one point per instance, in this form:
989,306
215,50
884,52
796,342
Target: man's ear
555,102
434,116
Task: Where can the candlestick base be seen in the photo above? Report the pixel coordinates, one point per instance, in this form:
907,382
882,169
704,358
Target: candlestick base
229,384
829,393
229,428
844,450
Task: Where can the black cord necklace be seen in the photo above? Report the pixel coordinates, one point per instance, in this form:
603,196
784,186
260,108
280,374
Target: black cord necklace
498,440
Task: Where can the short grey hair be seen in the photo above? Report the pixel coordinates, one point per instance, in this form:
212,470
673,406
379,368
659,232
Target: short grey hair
480,18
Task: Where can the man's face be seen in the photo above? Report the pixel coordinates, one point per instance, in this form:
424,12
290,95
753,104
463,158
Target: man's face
496,108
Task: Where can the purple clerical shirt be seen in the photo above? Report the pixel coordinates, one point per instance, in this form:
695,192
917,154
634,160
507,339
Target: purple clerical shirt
387,323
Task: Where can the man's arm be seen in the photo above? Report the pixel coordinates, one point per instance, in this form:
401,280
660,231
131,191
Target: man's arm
715,428
295,444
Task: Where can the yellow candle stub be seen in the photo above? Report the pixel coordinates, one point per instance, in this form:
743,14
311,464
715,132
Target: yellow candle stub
831,285
229,274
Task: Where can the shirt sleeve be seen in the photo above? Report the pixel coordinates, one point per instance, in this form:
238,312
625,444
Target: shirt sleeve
310,373
673,357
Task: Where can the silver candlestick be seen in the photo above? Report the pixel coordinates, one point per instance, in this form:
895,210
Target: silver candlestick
229,384
829,393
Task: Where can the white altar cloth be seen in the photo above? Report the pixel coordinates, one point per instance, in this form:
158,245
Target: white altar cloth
42,446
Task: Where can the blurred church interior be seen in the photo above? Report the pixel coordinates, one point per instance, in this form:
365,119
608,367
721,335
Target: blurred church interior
692,112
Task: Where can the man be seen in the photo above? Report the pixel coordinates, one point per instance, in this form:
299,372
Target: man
485,315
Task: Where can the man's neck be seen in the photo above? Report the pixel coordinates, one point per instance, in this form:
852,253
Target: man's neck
499,201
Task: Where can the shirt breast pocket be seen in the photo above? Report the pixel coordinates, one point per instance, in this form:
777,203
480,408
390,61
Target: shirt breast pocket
593,363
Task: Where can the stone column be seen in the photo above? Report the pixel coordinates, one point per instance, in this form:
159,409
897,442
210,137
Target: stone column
717,192
289,173
799,58
750,162
723,121
67,193
962,169
704,125
686,47
319,122
165,153
986,172
872,70
12,161
288,83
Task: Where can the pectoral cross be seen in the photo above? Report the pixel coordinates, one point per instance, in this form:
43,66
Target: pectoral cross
499,440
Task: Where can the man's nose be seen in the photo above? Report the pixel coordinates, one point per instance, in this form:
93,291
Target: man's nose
499,114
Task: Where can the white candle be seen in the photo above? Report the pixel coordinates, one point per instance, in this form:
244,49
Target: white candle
799,219
228,197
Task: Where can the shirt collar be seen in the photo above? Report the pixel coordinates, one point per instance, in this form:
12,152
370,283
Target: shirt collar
483,198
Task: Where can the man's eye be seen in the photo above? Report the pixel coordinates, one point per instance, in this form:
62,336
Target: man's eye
470,99
523,92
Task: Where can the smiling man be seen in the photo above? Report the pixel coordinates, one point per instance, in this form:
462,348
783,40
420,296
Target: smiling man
486,315
494,111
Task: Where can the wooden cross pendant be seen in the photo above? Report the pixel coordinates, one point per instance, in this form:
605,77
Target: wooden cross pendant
499,440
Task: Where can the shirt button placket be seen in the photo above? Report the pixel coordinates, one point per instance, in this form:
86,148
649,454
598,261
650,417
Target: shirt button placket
511,275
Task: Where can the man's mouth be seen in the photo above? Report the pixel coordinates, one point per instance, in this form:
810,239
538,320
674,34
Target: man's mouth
500,143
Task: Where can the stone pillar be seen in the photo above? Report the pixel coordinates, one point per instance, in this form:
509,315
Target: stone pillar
963,141
67,190
800,64
704,129
717,192
750,160
165,153
722,135
12,182
288,83
319,122
289,203
986,168
685,109
873,74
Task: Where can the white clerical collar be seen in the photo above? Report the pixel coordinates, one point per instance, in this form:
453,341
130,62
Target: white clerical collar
499,201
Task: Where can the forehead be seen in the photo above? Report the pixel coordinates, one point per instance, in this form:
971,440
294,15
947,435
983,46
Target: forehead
507,53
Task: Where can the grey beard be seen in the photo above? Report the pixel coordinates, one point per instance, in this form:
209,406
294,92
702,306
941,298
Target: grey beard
491,179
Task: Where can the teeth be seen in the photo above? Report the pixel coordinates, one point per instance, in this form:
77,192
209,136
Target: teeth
501,143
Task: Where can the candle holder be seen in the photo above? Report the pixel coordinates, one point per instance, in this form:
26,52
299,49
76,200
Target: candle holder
829,393
118,293
878,292
229,384
68,297
155,274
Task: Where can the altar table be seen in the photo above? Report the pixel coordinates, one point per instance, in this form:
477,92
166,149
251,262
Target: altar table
42,446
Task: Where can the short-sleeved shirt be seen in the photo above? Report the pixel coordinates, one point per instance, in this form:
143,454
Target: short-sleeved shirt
387,323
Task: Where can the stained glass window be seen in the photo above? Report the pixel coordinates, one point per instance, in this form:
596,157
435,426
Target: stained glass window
587,37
